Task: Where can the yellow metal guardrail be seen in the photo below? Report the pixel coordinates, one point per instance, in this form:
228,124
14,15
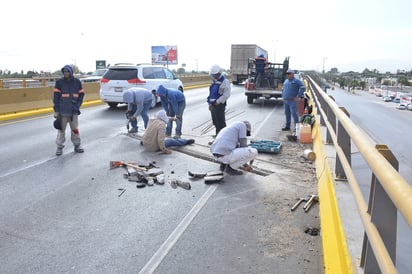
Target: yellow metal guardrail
399,191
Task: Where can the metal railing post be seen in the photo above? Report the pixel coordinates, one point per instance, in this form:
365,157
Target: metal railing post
332,120
383,215
344,142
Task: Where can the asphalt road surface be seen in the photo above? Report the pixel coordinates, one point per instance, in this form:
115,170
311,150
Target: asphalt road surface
73,214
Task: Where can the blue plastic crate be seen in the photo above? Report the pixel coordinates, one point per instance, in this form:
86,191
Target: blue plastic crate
266,146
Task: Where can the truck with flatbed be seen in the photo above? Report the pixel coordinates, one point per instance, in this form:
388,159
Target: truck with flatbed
269,85
240,55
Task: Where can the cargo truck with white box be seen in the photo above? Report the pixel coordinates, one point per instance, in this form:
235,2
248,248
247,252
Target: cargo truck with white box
239,60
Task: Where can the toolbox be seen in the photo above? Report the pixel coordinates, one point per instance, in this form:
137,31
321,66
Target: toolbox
266,146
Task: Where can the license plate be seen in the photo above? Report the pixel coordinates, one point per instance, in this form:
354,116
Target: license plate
118,89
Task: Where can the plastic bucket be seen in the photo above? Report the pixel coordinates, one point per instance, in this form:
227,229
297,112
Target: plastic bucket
305,134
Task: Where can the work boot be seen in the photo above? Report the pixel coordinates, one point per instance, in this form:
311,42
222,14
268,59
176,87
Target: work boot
232,171
133,130
190,141
292,138
285,128
177,136
222,167
59,151
78,149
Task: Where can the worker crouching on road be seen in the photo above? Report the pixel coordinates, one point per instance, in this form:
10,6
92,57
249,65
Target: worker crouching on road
173,102
138,102
231,150
154,137
67,100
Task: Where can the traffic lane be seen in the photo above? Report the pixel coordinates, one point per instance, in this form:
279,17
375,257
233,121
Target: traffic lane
382,122
385,125
69,215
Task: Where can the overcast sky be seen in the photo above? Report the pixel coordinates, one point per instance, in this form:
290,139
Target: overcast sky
346,34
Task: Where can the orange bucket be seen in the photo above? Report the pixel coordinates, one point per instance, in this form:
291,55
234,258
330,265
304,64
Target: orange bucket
305,134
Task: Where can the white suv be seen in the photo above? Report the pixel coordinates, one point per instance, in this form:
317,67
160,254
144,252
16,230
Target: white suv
121,77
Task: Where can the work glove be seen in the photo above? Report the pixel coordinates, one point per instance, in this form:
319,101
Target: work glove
56,114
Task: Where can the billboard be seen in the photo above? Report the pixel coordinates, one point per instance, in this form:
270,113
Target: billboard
164,55
100,64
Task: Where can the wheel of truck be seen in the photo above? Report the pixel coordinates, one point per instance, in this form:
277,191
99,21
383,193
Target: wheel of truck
250,99
112,104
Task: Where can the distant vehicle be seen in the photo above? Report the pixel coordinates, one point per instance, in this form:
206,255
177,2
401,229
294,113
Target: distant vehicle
409,106
239,60
387,99
401,106
396,100
121,77
96,76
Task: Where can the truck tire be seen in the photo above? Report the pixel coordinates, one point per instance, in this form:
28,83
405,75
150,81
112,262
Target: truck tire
250,99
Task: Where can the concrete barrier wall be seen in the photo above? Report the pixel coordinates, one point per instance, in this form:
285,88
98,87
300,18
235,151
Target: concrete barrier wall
24,99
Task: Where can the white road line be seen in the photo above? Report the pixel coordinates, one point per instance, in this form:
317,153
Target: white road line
262,124
164,249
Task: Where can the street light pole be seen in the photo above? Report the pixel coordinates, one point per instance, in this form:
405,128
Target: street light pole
324,58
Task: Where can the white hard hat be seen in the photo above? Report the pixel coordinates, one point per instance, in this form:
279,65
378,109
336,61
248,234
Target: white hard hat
215,69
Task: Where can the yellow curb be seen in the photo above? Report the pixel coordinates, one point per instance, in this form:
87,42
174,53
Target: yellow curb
49,110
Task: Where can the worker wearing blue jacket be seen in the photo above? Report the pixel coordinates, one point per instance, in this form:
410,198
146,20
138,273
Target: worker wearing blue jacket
173,102
293,91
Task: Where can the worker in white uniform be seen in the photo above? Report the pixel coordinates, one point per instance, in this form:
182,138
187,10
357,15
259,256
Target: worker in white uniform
231,150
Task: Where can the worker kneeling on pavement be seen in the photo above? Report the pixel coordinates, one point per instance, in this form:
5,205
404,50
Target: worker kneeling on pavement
231,150
154,137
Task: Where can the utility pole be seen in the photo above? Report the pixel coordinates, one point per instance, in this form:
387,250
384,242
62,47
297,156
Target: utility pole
324,58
